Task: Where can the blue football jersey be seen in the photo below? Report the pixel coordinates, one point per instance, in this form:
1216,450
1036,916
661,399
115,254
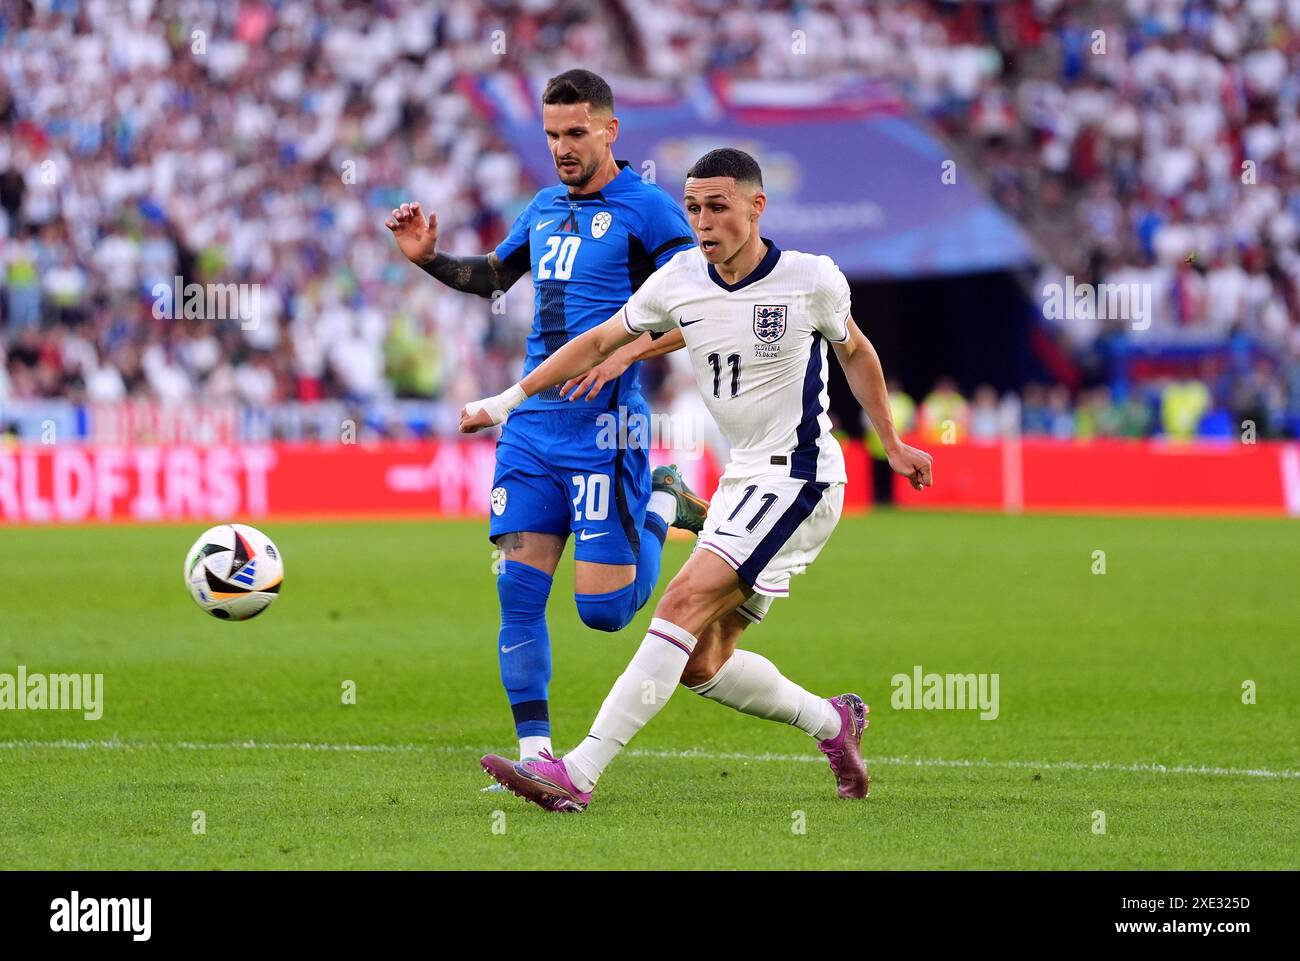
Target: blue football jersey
589,253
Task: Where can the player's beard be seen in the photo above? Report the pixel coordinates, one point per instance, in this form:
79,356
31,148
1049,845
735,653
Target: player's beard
584,174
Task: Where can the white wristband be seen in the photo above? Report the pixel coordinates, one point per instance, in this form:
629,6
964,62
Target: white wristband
500,406
512,398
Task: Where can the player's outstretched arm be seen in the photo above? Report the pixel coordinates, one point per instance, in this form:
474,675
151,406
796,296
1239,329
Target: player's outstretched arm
577,356
418,241
643,348
866,378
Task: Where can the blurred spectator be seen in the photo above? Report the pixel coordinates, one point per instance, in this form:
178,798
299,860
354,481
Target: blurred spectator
412,360
985,414
1060,414
902,409
1035,414
945,415
1098,416
1136,419
1182,405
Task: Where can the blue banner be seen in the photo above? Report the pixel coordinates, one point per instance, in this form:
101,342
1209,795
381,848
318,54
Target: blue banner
847,172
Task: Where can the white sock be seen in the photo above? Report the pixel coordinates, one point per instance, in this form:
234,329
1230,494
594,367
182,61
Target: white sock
751,684
665,505
534,746
644,687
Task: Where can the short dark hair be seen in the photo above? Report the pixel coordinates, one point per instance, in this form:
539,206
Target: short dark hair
579,86
728,162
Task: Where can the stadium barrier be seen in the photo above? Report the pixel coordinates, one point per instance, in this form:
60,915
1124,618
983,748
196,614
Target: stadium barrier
90,483
1111,476
93,483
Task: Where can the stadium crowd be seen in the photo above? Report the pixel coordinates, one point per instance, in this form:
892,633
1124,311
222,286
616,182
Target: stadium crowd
261,143
1177,409
1154,129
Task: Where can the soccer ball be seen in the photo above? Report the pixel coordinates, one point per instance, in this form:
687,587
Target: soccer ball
233,572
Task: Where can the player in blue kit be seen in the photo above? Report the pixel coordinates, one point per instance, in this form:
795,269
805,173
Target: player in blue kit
589,243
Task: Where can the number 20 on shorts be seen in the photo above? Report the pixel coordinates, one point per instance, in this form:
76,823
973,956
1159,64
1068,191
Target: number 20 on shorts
595,489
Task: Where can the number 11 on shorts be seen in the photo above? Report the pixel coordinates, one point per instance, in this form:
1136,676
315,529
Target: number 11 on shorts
766,502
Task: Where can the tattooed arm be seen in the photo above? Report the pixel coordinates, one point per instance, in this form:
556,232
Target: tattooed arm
475,275
482,275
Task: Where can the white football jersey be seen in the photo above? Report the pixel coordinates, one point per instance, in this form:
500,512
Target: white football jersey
759,352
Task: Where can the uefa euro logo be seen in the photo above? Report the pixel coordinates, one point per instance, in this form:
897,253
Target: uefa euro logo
769,322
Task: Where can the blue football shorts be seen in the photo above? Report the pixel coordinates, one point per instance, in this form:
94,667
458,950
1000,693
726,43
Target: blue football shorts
574,472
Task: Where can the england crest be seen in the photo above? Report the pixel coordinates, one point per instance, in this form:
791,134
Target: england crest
769,322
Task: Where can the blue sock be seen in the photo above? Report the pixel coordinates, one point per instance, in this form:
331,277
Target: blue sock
524,646
615,610
650,558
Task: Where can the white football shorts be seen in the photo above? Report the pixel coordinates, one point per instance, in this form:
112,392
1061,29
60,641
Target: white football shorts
769,528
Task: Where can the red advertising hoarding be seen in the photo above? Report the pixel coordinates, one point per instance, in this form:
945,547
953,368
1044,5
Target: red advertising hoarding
1151,476
108,484
101,484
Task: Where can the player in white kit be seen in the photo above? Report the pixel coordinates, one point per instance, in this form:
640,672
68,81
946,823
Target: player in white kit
756,321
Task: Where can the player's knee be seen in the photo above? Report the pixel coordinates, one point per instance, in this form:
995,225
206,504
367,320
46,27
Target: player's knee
607,612
522,591
699,670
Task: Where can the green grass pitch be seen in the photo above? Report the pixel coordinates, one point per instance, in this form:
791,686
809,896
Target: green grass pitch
1100,676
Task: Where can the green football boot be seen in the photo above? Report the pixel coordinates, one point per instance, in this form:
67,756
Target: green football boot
691,507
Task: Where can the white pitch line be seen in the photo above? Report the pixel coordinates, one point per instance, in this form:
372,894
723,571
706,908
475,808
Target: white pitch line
128,746
982,763
693,754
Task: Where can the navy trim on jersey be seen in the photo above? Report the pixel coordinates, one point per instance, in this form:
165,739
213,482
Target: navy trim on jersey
597,195
845,338
519,260
627,324
594,195
640,264
620,495
805,502
551,325
765,267
669,245
803,463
